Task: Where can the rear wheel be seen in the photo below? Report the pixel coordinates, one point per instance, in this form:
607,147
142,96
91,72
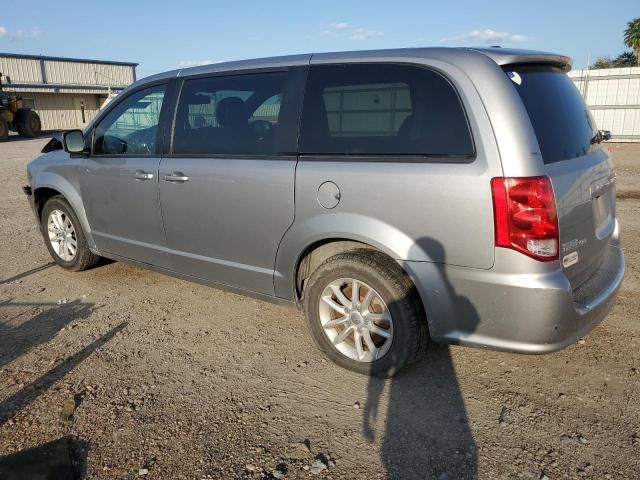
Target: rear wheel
4,130
364,313
64,237
28,122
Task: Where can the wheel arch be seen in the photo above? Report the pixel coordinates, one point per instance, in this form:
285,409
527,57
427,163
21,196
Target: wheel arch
47,185
40,196
316,253
344,231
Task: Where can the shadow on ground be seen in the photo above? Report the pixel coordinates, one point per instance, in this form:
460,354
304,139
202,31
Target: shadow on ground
10,406
19,333
61,459
23,326
426,434
65,458
22,275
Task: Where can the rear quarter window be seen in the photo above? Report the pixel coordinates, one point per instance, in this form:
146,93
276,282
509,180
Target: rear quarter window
383,109
559,116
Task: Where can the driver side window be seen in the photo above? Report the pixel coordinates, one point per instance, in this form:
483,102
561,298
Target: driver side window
131,128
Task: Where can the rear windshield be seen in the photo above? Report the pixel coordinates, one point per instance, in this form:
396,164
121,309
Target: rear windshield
560,118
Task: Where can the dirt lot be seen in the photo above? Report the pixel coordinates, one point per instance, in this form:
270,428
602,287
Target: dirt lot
174,380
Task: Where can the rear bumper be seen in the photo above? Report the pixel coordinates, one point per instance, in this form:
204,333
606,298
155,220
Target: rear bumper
504,310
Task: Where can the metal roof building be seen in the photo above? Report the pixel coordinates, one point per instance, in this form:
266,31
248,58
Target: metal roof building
66,92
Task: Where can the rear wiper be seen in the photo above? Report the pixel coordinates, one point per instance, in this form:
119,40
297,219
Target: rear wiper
602,135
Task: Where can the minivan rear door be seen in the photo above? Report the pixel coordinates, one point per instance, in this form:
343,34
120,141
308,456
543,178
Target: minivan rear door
581,170
227,182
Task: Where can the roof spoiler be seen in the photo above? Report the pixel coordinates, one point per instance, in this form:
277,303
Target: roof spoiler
523,57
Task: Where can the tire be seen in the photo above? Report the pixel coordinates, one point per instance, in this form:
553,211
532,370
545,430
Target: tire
4,130
82,258
394,293
28,122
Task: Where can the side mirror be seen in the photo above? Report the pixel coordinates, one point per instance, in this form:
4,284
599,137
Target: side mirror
605,135
73,141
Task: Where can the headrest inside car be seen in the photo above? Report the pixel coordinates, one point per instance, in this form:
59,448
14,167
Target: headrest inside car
231,112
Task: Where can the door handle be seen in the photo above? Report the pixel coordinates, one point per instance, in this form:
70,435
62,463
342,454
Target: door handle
142,175
178,177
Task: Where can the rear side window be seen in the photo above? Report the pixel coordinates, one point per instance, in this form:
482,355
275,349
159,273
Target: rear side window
561,120
382,109
231,114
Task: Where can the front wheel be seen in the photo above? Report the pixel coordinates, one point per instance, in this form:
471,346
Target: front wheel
64,237
364,313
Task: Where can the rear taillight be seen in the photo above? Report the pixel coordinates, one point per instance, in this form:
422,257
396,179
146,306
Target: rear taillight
524,211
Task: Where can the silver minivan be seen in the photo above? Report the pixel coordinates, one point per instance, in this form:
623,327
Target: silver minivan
397,196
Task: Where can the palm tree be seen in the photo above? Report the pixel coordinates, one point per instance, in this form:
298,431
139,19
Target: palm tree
632,37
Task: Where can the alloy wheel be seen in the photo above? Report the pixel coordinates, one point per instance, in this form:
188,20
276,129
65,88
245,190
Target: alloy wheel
356,320
62,235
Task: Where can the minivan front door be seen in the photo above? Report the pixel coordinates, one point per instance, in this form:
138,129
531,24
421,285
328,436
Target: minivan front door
120,180
227,186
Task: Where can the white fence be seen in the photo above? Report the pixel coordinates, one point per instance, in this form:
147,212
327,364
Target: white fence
613,96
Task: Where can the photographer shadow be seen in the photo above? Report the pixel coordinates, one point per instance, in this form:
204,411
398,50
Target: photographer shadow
18,336
426,432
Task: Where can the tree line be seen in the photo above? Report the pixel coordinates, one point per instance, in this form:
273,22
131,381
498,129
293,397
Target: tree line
628,58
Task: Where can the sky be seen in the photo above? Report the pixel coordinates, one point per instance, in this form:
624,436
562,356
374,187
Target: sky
162,35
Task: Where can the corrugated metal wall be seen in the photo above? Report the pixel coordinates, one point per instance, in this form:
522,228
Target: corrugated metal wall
87,73
65,72
59,111
21,69
613,96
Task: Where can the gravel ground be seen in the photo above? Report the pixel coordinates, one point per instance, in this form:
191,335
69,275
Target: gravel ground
153,377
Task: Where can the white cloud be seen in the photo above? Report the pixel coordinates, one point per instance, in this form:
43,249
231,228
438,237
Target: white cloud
362,34
344,29
335,28
18,34
486,36
196,63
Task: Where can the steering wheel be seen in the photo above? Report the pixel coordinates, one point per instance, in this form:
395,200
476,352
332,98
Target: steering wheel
260,128
138,142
